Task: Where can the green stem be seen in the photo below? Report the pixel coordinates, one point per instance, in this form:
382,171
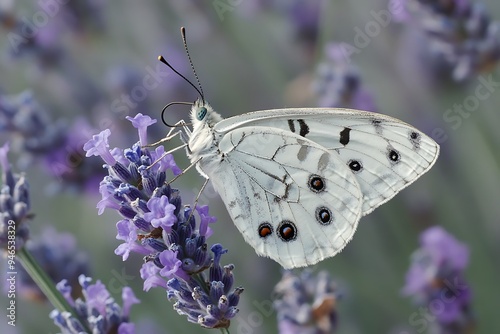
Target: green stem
44,282
200,279
225,330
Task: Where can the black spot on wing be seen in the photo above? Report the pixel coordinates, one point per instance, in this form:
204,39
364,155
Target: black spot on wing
291,125
324,215
355,165
377,123
393,155
265,229
287,231
415,139
304,128
316,183
344,136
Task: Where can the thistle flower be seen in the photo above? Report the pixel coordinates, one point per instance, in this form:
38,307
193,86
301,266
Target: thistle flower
14,206
461,36
338,84
156,226
306,303
98,311
436,280
58,255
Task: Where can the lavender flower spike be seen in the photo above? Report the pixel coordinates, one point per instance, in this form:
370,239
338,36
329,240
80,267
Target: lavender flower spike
306,303
436,278
99,311
171,238
14,206
460,35
211,305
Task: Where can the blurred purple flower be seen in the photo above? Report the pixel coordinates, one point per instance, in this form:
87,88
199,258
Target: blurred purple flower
22,115
436,279
14,206
57,145
41,38
304,17
306,303
460,35
98,311
68,164
82,16
338,84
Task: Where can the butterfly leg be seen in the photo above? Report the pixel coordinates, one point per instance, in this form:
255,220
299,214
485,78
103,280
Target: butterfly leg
185,170
195,204
165,154
171,134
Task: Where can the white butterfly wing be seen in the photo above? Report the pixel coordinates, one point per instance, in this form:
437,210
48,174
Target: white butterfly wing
384,153
293,200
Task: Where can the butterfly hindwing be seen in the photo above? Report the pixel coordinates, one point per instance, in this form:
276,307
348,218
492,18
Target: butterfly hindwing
292,199
384,154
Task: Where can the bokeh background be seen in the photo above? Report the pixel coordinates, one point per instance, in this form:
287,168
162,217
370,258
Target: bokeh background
253,55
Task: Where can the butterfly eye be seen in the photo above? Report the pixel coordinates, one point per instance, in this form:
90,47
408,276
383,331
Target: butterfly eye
316,183
324,215
201,113
265,229
287,231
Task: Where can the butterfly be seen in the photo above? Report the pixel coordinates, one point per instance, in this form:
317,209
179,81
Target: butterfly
296,181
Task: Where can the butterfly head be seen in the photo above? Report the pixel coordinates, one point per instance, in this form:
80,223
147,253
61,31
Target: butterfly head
202,114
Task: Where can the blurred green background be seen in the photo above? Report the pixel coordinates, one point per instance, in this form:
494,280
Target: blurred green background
248,58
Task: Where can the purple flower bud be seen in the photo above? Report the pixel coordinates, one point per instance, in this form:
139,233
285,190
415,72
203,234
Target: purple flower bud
141,122
99,146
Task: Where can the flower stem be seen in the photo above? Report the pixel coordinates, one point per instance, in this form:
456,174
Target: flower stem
201,281
225,330
44,282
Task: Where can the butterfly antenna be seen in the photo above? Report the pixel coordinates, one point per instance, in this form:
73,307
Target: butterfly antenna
183,34
165,108
163,60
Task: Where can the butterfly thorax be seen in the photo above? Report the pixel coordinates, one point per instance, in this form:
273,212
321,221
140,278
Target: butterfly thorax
203,141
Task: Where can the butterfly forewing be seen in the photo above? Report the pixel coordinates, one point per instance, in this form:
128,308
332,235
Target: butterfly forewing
292,199
384,154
